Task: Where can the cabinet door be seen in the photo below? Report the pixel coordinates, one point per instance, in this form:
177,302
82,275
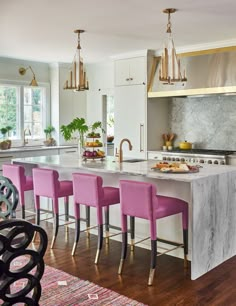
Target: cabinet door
130,71
122,72
137,71
130,119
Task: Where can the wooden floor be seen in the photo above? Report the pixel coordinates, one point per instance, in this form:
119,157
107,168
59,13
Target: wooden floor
172,286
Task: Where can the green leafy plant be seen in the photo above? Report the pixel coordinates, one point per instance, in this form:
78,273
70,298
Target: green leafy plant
77,125
6,143
48,131
5,131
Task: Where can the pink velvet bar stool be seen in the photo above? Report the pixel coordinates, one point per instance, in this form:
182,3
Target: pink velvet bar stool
23,183
47,184
89,191
140,199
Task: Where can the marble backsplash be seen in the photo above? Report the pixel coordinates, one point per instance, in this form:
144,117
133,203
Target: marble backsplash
208,122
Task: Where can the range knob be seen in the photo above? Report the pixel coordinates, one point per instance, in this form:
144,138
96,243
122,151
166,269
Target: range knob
164,158
216,162
201,161
182,159
209,162
177,159
222,162
168,158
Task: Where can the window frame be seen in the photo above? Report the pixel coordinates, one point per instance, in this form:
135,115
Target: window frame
46,110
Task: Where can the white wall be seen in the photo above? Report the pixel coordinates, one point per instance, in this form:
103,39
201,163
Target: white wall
72,104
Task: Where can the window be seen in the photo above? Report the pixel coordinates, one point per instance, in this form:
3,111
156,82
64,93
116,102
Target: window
33,111
24,109
9,109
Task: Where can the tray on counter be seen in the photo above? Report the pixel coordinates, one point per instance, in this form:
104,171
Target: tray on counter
195,170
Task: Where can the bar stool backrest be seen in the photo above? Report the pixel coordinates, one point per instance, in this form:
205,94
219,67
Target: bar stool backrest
15,173
87,189
46,182
136,198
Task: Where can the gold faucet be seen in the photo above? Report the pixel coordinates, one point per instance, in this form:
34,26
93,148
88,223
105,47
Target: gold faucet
120,148
29,133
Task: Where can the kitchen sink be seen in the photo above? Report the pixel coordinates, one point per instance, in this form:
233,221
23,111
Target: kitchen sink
134,160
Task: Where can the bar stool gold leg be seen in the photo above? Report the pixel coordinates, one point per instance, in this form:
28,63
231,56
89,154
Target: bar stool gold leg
97,256
121,266
107,237
151,276
53,241
74,248
132,245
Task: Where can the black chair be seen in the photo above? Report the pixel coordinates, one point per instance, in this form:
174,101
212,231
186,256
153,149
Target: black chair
9,198
15,247
16,237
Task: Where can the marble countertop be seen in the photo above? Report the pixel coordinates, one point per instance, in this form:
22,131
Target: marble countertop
109,165
35,148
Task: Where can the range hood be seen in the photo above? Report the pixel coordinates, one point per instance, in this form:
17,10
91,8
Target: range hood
207,74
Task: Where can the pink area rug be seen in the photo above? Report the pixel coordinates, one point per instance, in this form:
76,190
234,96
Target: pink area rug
62,289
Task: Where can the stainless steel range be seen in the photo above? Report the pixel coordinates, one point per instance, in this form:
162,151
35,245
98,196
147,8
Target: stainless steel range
217,157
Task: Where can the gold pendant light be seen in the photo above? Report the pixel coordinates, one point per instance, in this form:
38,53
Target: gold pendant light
77,76
170,70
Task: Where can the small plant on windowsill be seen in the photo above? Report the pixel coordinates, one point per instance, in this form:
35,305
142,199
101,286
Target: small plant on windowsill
5,143
50,141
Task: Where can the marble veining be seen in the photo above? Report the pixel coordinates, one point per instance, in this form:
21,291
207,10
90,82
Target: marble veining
209,122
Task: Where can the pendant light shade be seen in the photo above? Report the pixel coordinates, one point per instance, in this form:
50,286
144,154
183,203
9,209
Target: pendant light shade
170,70
77,80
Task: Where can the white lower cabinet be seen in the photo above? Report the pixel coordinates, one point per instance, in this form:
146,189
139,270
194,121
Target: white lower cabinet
130,119
68,150
154,155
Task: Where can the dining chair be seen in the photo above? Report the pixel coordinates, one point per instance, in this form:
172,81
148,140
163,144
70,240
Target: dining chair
23,183
89,191
140,200
47,184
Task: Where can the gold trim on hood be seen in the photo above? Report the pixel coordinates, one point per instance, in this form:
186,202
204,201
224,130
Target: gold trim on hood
192,92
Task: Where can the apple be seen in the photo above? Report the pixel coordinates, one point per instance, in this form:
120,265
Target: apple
95,153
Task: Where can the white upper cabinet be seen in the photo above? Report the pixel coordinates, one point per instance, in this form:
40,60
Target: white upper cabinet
131,71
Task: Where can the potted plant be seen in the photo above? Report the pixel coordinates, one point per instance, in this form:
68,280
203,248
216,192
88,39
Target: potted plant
6,143
50,141
78,128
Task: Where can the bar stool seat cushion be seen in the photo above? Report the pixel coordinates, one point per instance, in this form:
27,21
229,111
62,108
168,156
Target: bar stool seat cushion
111,196
168,206
28,183
65,188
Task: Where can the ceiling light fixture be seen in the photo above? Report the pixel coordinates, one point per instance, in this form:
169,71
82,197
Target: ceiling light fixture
23,70
170,72
77,78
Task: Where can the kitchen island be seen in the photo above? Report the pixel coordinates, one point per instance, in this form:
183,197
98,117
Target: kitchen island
211,194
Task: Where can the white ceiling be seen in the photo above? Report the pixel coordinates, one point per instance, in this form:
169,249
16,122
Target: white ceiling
43,30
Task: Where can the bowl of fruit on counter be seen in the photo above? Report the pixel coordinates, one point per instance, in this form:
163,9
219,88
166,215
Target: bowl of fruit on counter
93,154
